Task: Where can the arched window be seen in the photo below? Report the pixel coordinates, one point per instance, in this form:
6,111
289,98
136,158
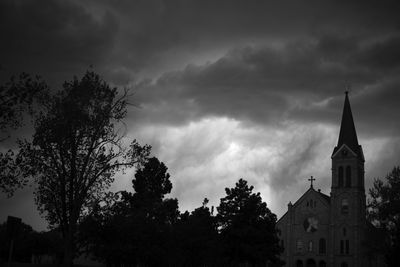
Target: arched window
310,246
322,264
299,263
341,246
344,231
345,206
322,246
299,245
340,176
348,176
344,264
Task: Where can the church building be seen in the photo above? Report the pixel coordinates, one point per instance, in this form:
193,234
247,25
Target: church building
320,230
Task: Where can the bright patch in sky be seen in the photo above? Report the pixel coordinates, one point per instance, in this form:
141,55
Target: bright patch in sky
208,155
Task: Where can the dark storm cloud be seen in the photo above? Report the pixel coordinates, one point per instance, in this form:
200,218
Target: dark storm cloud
121,38
301,81
270,64
155,31
52,37
384,55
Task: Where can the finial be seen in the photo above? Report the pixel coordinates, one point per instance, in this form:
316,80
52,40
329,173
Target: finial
311,180
347,87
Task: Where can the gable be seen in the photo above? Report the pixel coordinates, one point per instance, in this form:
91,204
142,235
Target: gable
309,195
317,203
344,149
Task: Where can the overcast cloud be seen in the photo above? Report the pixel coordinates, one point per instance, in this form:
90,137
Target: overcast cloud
224,89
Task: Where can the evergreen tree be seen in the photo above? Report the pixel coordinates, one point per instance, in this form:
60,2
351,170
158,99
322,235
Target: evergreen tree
247,228
135,228
195,239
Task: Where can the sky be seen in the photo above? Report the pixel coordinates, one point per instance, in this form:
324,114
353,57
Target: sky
223,89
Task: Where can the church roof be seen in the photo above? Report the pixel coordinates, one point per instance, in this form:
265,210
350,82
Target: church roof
311,190
348,134
326,197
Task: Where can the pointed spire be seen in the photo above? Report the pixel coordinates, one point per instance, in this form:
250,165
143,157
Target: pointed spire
348,133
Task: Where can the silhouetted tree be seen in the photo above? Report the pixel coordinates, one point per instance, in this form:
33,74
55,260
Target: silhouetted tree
195,239
107,232
75,152
134,228
384,213
152,214
151,184
16,97
247,228
48,243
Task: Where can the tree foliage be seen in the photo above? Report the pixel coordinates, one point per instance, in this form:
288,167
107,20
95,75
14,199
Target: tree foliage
195,239
134,228
76,149
10,174
247,227
16,98
146,229
384,212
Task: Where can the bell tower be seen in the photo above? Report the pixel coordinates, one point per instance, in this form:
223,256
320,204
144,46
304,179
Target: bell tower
347,195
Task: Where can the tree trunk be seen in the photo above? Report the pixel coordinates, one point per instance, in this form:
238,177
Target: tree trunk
68,250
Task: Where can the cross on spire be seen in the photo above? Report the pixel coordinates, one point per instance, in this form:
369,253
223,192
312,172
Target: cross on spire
347,88
311,180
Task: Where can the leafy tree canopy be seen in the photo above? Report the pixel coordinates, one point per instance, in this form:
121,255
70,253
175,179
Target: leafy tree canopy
16,98
76,149
384,212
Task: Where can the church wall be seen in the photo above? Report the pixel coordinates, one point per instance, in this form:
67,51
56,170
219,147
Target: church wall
305,224
348,221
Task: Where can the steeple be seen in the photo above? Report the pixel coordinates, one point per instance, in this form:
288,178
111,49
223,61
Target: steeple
348,133
347,213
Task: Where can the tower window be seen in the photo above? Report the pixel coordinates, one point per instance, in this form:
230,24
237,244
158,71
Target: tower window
345,246
345,206
322,246
299,245
341,246
348,176
340,176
